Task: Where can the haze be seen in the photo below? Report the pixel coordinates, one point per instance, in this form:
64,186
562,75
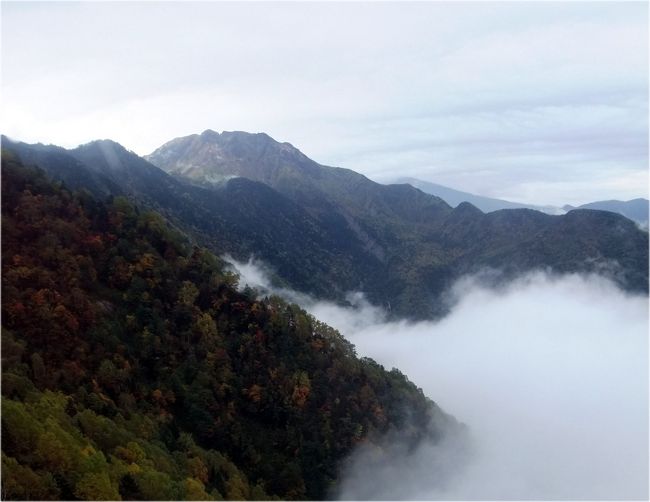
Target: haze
549,374
538,102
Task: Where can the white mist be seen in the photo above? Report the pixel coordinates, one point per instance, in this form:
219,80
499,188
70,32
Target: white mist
549,374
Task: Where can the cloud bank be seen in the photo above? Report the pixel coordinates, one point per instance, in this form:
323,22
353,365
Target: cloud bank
549,374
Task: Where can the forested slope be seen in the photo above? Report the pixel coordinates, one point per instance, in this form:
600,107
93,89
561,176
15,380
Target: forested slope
134,369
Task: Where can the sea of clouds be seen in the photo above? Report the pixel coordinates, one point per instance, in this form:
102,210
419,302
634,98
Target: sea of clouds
550,374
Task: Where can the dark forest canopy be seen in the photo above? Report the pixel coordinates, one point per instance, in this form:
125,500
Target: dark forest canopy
132,368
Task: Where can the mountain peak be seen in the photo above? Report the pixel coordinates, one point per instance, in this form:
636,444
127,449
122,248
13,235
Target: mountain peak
108,156
467,207
210,155
466,211
210,134
103,143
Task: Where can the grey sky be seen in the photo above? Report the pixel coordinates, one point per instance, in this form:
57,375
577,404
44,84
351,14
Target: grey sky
540,102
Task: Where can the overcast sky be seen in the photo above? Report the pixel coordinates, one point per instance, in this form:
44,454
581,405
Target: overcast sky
539,102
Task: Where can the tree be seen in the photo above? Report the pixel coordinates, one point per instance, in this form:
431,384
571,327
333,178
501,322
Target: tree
195,490
53,454
22,483
155,485
187,293
38,370
96,486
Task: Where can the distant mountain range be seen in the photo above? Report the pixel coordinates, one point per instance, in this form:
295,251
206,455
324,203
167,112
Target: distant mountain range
485,204
636,209
327,231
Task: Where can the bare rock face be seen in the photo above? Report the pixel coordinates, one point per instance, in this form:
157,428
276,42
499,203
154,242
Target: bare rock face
211,156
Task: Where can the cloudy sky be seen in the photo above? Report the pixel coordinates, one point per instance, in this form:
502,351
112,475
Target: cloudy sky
539,102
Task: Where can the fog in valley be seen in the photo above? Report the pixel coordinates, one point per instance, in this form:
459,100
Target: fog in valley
550,375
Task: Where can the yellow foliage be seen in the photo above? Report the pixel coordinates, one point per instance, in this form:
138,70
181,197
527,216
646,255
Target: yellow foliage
195,490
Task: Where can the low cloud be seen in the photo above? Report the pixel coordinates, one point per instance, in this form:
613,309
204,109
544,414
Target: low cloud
359,315
550,374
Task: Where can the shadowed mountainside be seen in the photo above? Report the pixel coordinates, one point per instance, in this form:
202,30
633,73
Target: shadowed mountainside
421,242
327,231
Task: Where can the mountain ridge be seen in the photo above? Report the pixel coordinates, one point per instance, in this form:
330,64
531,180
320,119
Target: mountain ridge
424,217
486,204
328,231
634,209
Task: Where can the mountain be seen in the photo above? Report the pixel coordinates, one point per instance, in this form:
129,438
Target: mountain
133,369
485,204
421,241
64,166
240,217
212,156
327,231
635,209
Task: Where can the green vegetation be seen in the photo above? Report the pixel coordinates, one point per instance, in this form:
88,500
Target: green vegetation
133,369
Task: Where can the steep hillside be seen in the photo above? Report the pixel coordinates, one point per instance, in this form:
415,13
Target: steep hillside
133,369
